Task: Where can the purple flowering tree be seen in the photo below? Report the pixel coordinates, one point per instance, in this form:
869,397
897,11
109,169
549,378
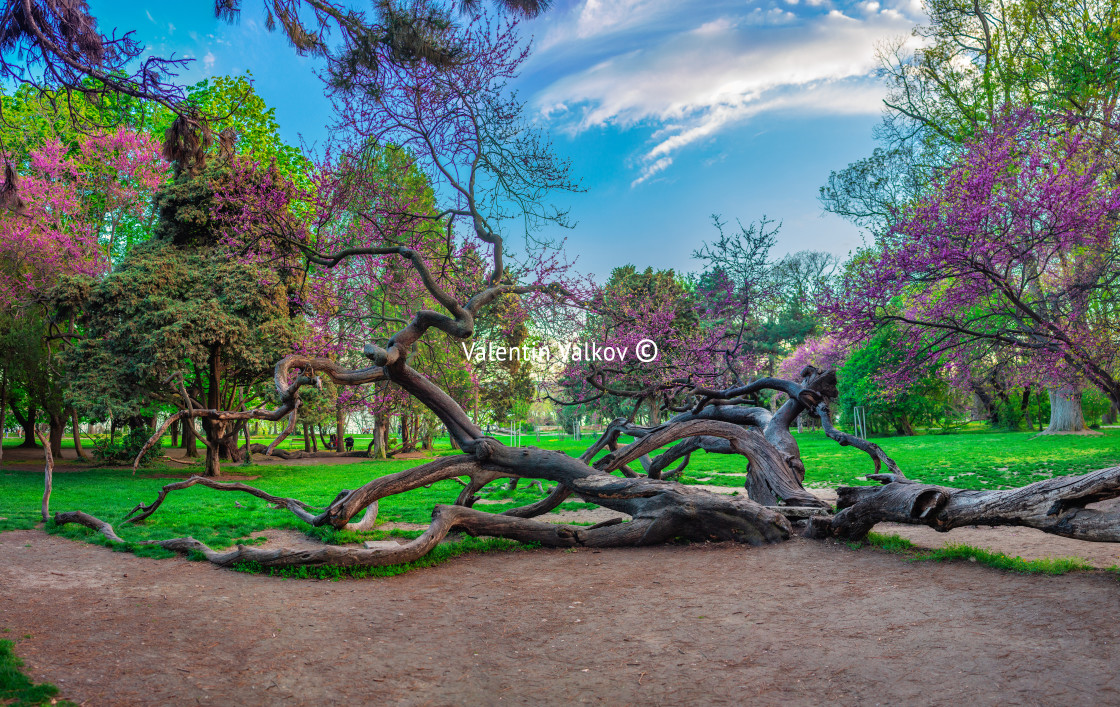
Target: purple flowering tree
1011,255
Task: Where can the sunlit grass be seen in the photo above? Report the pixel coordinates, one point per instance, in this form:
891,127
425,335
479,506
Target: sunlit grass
220,519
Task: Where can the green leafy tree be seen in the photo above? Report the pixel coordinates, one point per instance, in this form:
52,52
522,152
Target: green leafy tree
860,381
179,316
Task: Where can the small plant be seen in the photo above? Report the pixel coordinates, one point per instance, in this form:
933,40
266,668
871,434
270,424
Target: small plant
891,542
125,451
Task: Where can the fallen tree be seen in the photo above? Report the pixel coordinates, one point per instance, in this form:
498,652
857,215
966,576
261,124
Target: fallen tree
457,120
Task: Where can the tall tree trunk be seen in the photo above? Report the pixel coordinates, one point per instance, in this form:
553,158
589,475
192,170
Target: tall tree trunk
228,444
991,410
377,446
213,430
307,439
27,423
174,430
1109,417
77,427
58,431
1065,411
190,440
339,430
323,437
406,444
248,445
903,425
1025,408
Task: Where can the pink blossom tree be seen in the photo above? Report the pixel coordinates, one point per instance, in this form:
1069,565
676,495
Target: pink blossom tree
1013,249
70,202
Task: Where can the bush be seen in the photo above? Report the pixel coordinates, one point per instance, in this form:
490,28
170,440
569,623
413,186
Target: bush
126,449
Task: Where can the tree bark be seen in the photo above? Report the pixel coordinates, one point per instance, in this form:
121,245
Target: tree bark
190,439
903,426
1055,506
339,430
76,424
1025,408
58,431
378,445
248,445
174,430
213,429
27,423
991,410
1065,411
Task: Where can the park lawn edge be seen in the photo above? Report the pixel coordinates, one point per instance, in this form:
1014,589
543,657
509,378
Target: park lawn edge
952,552
17,689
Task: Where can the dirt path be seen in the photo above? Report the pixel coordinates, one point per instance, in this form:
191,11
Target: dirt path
802,622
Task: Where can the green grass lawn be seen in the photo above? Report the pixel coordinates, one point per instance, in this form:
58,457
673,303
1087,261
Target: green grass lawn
988,460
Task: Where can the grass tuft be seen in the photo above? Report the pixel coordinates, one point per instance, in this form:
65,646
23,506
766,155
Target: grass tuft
960,551
16,689
891,542
999,560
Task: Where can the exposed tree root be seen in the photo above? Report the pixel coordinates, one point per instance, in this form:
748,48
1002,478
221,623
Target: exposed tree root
285,454
91,522
301,509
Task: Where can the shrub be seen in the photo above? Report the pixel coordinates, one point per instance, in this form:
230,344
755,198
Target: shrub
126,449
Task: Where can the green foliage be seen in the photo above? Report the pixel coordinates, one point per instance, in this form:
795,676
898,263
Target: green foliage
238,107
125,449
16,689
860,381
506,387
169,310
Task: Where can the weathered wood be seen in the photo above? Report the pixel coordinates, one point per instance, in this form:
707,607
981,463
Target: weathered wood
770,480
95,524
1053,505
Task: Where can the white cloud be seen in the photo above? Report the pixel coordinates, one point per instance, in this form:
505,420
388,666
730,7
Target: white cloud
596,18
208,60
652,169
149,14
691,85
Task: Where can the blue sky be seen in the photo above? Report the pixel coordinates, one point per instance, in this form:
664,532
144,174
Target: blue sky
669,110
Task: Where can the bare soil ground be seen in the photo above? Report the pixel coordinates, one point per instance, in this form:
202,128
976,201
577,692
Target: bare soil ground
803,622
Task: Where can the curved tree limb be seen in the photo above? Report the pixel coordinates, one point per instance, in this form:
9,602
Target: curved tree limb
299,508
